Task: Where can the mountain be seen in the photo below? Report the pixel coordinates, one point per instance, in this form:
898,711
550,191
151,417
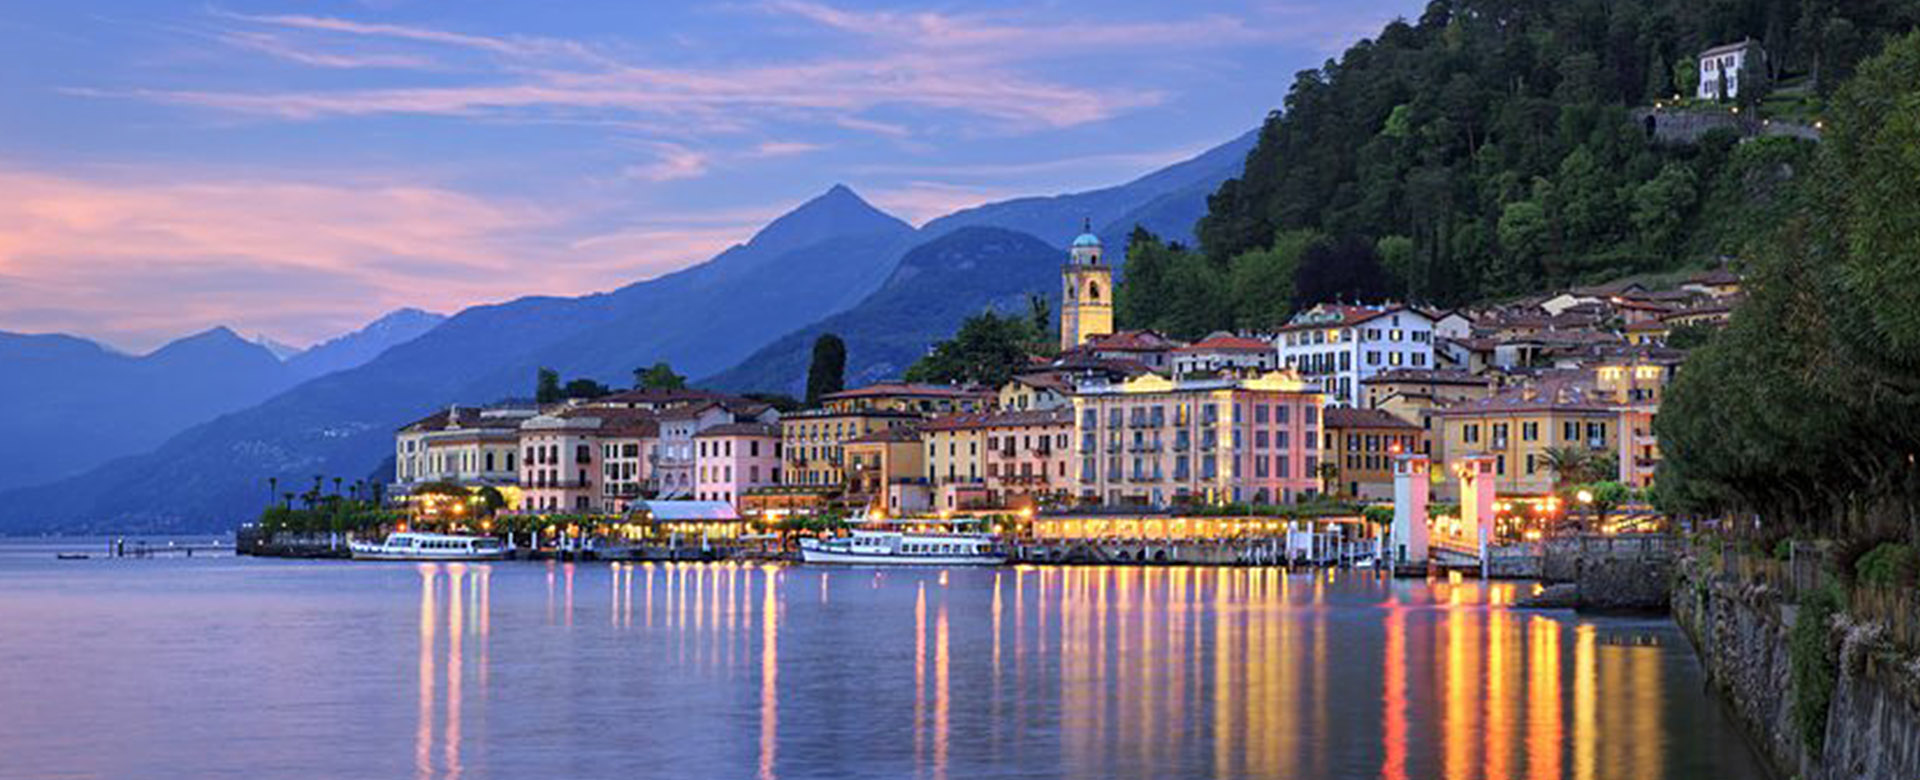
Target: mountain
1167,201
353,349
936,285
280,349
822,257
67,404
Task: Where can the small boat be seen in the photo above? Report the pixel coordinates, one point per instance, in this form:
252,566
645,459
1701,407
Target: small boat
72,556
899,548
429,547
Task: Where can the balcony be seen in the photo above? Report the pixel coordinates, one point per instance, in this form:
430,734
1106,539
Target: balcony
1147,446
1182,445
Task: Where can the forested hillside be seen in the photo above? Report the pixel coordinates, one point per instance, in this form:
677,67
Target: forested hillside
1491,147
1805,411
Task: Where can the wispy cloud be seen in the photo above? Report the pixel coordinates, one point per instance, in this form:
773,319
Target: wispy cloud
674,162
547,75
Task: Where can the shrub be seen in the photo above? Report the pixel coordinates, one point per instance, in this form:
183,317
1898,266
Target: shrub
1783,549
1815,666
1888,564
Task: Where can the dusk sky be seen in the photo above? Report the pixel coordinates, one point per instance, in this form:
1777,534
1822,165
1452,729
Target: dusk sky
295,169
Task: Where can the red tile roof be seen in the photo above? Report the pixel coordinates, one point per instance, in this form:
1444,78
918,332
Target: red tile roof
908,389
1130,341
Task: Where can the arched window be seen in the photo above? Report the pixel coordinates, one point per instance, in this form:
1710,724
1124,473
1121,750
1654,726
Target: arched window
1093,291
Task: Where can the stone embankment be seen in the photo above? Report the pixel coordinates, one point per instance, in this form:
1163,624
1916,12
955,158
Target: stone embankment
1743,629
1594,571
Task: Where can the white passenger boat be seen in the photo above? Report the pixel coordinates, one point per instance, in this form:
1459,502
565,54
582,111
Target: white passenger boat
899,548
429,547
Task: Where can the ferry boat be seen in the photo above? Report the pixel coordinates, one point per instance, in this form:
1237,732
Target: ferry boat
900,548
429,547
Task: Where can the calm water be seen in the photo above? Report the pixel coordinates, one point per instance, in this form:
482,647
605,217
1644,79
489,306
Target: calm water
252,668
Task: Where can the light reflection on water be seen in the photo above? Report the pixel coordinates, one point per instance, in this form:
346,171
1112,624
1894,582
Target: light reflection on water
729,670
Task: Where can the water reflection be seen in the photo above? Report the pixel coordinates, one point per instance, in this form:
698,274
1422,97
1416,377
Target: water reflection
1091,671
460,595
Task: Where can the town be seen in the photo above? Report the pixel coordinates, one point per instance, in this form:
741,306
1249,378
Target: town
1270,446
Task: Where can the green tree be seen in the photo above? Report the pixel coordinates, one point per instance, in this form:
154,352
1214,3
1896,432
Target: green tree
1140,301
827,373
986,350
547,387
584,388
1398,256
658,376
1662,207
1261,283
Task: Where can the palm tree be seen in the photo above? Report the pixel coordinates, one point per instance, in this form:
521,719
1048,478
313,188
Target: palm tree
1570,465
273,488
336,486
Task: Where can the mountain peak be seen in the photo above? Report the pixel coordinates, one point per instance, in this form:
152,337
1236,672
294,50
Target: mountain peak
837,212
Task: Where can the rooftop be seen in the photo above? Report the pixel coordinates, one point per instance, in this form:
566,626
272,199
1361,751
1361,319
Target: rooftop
1344,417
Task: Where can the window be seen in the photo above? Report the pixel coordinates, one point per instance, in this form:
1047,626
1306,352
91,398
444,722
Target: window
1471,433
1530,431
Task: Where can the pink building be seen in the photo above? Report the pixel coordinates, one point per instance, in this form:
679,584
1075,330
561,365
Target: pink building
1027,456
734,458
583,460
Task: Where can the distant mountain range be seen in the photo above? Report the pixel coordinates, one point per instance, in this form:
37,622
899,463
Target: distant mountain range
68,404
756,302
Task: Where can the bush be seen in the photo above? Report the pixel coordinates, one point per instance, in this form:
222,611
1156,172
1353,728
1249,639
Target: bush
1888,564
1783,549
1815,666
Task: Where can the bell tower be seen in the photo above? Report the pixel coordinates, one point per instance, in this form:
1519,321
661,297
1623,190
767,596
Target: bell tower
1086,294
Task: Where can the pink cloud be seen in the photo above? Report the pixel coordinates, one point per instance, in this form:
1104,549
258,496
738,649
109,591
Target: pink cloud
141,258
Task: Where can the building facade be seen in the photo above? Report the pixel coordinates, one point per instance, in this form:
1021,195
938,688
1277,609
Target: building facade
813,441
1028,456
1519,426
733,459
1720,68
1222,352
1152,441
460,444
1341,346
1361,445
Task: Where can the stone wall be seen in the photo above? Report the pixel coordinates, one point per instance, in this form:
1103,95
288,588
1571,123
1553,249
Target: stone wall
1740,631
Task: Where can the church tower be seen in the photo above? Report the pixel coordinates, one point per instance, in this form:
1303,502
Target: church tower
1086,297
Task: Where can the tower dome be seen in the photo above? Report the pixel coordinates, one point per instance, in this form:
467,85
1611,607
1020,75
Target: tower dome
1086,248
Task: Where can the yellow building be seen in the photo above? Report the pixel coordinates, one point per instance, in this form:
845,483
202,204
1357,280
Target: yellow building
1636,384
813,441
1361,444
1517,427
956,464
1035,391
1086,295
880,461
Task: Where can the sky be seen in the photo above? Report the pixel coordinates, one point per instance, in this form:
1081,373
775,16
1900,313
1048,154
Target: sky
295,169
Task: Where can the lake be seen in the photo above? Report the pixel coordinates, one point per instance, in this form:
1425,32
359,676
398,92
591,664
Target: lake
222,666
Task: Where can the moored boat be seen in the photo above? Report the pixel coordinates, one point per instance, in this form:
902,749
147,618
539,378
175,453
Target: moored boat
429,547
900,548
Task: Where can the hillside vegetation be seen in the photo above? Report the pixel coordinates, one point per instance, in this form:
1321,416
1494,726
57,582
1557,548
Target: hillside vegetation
1490,148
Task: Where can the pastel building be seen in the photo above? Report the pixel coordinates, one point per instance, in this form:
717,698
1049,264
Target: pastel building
1028,457
733,459
1225,352
1152,441
561,454
460,444
1341,346
1514,430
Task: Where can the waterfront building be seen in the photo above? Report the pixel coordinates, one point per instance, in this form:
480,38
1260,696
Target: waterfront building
733,459
559,455
1153,441
1339,345
885,471
956,460
1027,457
673,456
464,445
1361,445
812,444
1516,428
1086,297
1225,352
1409,393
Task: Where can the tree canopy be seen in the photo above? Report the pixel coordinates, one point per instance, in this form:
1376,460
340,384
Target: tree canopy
1805,410
986,350
658,376
828,372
